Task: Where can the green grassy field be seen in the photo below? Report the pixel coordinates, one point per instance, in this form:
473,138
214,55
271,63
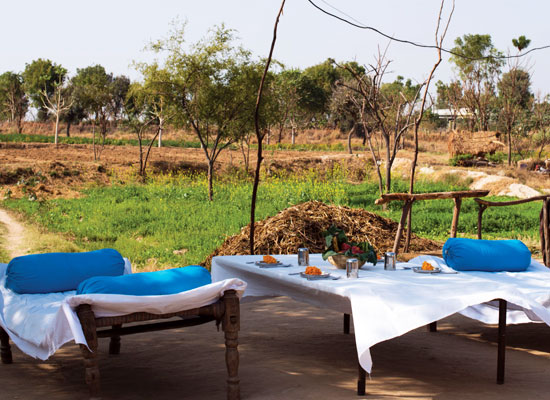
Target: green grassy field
25,138
169,221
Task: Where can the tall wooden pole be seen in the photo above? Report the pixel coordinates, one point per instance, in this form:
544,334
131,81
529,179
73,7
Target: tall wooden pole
259,135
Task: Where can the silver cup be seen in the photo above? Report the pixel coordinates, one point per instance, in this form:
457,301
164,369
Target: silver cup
303,257
389,261
352,268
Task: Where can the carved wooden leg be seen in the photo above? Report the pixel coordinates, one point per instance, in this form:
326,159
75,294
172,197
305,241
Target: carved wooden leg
114,344
87,320
502,305
231,326
5,349
346,324
361,381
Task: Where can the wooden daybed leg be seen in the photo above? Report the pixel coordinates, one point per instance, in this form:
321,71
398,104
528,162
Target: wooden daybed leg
502,304
114,344
87,320
346,324
5,349
361,381
231,326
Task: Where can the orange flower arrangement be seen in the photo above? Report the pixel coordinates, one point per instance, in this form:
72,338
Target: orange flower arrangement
269,260
313,271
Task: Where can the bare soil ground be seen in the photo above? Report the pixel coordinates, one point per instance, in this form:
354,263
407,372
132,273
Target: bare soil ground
294,351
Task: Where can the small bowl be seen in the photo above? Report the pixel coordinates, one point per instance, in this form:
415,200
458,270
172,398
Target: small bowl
339,261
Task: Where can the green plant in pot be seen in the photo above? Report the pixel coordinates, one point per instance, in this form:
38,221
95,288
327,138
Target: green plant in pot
338,249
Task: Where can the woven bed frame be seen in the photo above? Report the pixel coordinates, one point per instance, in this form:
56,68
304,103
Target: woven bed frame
224,311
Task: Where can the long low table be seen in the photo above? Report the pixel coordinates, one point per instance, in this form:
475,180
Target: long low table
387,304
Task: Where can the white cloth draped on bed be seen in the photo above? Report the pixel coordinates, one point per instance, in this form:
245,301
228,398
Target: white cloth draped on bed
39,324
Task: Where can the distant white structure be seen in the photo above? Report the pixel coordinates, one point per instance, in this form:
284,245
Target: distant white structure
451,114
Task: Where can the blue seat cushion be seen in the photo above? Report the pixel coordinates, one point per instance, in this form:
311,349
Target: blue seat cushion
486,255
59,272
169,281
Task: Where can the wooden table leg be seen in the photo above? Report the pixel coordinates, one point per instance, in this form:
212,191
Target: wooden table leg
5,349
361,381
346,324
114,344
87,320
231,326
501,340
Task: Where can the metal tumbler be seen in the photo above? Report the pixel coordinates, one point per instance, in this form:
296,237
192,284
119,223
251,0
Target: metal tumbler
303,257
389,261
352,268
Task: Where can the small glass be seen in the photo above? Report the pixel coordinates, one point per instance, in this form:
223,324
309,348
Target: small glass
352,268
303,257
389,261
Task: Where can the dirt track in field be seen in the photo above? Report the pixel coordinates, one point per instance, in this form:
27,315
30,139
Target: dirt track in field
14,243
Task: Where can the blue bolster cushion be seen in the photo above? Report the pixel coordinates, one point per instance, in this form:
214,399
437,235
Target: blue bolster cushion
486,255
59,272
169,281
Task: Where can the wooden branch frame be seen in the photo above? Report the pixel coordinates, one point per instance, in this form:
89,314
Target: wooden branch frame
225,311
544,221
410,198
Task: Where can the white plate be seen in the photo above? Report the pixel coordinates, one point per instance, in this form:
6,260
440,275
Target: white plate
324,275
425,271
278,264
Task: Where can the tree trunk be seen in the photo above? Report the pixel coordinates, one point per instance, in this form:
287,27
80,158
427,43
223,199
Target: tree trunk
68,128
509,147
210,180
19,124
161,123
281,129
388,165
56,128
350,134
293,136
93,140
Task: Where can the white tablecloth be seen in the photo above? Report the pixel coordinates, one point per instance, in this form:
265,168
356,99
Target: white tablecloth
39,324
387,304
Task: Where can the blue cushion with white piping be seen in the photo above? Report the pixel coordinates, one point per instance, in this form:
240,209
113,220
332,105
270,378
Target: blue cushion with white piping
169,281
60,272
464,254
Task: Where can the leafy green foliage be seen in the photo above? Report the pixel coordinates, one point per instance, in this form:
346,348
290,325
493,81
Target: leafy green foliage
459,158
336,242
41,77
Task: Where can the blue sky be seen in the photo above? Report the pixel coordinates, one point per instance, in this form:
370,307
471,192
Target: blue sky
113,33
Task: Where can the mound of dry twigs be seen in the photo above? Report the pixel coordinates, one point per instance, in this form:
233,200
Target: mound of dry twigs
476,143
302,225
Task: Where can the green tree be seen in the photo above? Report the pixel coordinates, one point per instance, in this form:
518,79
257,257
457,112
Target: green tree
75,113
13,100
139,107
540,121
318,82
119,89
514,99
478,64
58,102
42,76
213,89
92,90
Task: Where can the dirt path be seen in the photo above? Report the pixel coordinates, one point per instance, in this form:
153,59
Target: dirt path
14,241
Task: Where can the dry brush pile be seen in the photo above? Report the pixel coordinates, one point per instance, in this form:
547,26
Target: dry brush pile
301,226
476,143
